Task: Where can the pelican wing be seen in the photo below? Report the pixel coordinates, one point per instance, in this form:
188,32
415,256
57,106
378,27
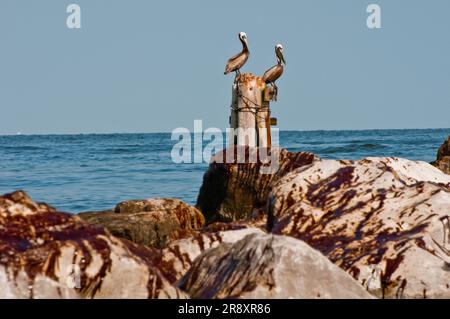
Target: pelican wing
236,62
273,74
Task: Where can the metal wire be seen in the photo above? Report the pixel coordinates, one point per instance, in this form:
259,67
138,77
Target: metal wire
252,109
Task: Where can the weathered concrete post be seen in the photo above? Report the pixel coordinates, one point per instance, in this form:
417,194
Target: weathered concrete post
250,111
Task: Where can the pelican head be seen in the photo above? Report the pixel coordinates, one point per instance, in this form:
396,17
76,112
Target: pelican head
243,37
279,53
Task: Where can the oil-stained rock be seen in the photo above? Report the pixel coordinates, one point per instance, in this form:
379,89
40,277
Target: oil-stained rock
384,220
268,266
151,222
48,254
232,189
177,258
443,157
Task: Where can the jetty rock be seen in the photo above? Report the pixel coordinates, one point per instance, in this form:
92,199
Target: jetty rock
150,222
268,266
443,157
232,190
48,254
177,258
386,221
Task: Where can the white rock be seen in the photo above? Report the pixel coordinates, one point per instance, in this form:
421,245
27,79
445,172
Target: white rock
47,254
382,216
268,266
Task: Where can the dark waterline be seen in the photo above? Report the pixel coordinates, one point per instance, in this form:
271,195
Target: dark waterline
95,171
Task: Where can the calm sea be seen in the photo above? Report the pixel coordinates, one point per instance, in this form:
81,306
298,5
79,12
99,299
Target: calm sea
92,172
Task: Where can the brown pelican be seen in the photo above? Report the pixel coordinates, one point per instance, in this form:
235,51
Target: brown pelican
276,71
236,62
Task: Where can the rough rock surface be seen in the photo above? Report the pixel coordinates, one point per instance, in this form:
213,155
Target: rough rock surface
232,190
268,266
384,220
47,254
151,222
177,258
443,157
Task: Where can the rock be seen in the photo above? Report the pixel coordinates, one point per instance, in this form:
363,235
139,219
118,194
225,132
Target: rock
384,220
47,254
151,222
443,157
177,258
268,266
232,191
258,219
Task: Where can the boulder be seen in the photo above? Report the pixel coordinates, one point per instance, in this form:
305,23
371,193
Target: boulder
48,254
443,157
151,222
267,266
233,189
177,258
384,220
258,219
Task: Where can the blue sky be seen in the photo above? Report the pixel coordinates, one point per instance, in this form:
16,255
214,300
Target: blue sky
152,66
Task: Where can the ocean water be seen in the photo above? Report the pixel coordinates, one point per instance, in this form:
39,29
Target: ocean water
78,173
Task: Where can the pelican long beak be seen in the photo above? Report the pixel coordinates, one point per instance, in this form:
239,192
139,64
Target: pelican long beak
280,56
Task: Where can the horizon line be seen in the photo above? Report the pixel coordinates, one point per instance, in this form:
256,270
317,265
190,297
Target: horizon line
168,132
